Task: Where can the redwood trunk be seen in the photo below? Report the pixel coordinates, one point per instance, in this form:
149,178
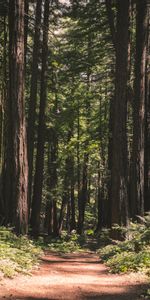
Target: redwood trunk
118,194
33,98
38,179
17,171
137,192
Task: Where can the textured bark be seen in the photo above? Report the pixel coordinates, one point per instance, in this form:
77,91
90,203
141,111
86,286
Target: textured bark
38,178
33,97
118,194
147,148
137,192
26,23
147,127
3,122
17,167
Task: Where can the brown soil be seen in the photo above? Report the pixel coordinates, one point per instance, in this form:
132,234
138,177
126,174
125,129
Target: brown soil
74,276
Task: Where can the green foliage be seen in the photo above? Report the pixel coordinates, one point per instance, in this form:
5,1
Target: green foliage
17,254
104,237
129,261
66,244
146,295
133,254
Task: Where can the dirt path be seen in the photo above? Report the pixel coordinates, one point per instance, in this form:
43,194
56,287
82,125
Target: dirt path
73,276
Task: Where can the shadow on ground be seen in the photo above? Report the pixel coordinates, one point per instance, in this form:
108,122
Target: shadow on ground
131,294
78,276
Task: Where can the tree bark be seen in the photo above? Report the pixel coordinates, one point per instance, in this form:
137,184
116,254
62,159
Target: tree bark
83,195
137,192
26,22
118,194
38,178
147,126
17,167
33,98
147,148
3,123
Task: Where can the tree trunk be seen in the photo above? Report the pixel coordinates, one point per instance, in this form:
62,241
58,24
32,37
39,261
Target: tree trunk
65,198
100,203
3,123
147,148
38,179
83,195
51,206
33,98
147,128
72,198
26,22
17,169
137,192
118,194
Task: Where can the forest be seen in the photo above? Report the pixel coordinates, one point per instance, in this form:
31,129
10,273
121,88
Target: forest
74,114
75,119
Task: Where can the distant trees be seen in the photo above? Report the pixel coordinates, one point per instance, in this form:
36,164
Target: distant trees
85,162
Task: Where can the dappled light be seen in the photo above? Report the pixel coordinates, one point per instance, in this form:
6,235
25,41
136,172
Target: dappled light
74,149
73,276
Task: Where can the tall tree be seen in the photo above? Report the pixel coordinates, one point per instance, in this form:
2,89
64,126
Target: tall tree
26,23
38,178
137,192
147,128
33,96
17,166
118,194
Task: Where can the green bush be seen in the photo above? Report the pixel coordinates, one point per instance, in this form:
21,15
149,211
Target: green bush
17,254
132,254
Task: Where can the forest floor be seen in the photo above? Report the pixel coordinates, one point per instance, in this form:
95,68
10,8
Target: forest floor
72,276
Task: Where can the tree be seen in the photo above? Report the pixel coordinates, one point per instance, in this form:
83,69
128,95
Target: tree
33,97
137,192
38,178
118,193
16,164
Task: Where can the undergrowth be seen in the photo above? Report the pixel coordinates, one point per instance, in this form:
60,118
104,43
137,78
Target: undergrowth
132,254
17,254
67,243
